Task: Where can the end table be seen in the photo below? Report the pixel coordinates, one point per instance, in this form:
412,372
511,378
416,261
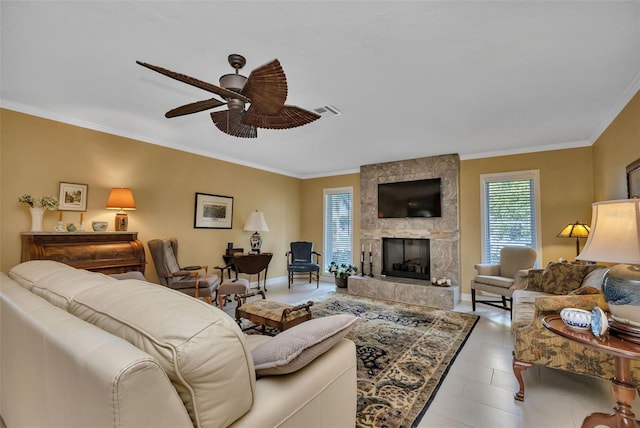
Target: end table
623,386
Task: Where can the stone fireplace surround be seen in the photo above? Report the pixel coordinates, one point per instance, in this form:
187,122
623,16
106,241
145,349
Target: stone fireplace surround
443,232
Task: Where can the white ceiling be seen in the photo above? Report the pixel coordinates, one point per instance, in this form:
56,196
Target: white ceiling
411,78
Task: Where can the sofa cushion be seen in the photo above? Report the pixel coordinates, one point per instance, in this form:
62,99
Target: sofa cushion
595,277
296,347
200,347
61,286
498,281
562,278
29,272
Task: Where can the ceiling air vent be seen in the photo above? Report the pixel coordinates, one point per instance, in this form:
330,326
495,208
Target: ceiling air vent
327,111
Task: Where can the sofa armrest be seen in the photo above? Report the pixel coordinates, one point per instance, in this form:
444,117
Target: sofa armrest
554,304
487,269
520,280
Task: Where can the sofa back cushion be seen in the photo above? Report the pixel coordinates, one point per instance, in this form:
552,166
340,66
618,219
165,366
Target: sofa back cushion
563,278
61,286
200,347
27,273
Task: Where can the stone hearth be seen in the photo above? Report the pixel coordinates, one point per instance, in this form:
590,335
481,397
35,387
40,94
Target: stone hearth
405,290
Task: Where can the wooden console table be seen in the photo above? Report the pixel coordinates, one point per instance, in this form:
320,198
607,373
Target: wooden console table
624,389
105,252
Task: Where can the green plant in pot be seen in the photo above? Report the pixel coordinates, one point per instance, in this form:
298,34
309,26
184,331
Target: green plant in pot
342,272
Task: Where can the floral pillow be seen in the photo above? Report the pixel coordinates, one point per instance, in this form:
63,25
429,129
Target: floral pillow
563,278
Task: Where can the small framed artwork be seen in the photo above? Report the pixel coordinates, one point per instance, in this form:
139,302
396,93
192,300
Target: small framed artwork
213,211
633,179
73,197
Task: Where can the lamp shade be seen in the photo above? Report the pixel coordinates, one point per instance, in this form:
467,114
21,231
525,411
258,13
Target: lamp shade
615,232
615,238
121,198
575,230
256,222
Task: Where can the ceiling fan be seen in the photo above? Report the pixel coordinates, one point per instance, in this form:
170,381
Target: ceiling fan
265,90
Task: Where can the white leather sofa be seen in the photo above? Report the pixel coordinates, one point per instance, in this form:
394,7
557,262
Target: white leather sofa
81,349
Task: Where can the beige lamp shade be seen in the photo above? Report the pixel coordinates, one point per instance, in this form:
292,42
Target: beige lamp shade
256,223
615,232
615,238
121,199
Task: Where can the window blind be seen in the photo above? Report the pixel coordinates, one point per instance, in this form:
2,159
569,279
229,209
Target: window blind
509,216
338,228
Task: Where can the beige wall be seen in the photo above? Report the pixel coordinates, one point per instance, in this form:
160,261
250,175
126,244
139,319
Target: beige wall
36,154
312,204
617,147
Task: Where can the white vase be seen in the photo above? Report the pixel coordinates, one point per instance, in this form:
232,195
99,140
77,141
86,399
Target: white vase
37,213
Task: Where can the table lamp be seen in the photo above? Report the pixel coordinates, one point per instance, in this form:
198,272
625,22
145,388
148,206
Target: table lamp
121,198
615,238
575,230
257,223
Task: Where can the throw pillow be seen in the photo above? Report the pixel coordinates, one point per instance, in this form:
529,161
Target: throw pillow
296,347
562,278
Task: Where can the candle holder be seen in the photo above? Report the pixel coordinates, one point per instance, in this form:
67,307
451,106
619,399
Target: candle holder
81,227
59,227
371,269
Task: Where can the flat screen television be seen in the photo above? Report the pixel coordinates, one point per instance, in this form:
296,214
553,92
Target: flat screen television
408,199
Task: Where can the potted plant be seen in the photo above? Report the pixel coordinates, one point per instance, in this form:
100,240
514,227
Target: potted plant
342,272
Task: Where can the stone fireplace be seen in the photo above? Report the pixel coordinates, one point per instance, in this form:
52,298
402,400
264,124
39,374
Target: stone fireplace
442,232
442,260
406,258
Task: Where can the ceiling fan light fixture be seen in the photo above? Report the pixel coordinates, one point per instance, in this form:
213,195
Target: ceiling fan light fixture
233,82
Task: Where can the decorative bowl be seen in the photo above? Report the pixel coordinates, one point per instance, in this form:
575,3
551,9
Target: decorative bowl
99,226
576,318
599,322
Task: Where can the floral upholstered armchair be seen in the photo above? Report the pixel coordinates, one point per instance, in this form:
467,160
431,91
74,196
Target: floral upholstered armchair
549,290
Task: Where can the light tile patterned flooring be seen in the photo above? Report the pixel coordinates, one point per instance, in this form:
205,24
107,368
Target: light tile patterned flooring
478,390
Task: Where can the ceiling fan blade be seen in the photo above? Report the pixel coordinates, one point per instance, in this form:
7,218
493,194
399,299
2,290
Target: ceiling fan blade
230,121
267,87
287,117
194,107
225,93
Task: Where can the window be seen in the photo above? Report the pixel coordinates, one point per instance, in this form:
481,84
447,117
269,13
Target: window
510,212
338,226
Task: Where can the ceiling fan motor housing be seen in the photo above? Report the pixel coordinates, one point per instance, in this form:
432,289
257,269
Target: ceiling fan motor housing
233,82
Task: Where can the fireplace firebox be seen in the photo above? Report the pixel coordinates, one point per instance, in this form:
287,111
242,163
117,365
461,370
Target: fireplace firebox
406,258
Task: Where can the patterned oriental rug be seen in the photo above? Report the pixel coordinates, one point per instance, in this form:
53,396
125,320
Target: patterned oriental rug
404,353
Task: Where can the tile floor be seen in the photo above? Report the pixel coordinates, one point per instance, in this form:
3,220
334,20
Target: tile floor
478,390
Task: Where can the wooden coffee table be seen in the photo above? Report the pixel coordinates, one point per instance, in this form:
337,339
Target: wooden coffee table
624,388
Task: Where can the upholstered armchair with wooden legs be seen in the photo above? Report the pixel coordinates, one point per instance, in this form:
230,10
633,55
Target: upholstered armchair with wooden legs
503,278
191,280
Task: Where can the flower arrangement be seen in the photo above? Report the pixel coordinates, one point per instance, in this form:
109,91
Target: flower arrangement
342,270
46,202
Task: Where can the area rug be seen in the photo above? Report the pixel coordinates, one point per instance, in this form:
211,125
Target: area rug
404,353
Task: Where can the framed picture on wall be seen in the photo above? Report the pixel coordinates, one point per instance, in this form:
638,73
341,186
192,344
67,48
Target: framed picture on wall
73,197
213,211
633,179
